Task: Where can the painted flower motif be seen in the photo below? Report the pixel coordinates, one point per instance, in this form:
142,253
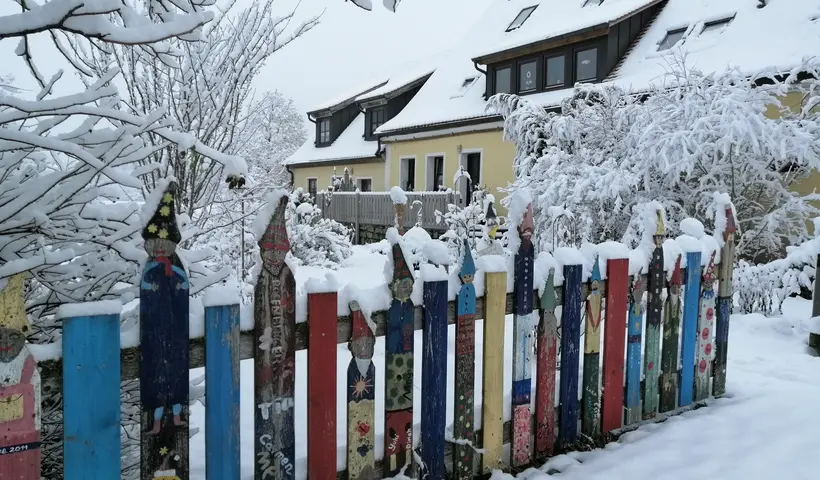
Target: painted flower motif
164,211
708,349
163,233
152,228
702,366
266,339
704,333
167,198
163,451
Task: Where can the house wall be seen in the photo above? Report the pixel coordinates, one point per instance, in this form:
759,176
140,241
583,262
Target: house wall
323,173
497,158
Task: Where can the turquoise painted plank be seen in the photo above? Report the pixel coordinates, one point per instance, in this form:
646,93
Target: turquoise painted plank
91,397
222,392
689,331
633,352
434,379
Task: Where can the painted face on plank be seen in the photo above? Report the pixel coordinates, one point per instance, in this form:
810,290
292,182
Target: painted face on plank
11,344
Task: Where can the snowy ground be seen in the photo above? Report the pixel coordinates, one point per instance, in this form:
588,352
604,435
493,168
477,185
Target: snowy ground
766,428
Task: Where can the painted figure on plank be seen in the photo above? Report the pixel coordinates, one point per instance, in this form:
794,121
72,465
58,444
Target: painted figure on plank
19,389
361,378
274,358
706,328
463,421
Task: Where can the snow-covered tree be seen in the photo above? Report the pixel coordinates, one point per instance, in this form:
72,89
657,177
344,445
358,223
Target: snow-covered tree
315,241
693,134
70,161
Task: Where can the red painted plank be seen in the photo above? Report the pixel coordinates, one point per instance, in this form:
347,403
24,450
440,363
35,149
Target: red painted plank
614,338
321,395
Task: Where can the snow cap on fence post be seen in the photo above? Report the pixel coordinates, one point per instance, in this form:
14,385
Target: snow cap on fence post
520,216
725,217
399,199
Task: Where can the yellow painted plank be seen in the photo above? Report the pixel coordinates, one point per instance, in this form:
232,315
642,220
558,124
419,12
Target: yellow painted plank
492,411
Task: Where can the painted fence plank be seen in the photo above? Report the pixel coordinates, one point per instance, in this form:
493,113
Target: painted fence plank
546,363
398,379
19,389
524,324
164,348
434,379
492,411
321,380
221,392
463,396
570,337
274,316
671,336
689,330
591,404
361,399
724,306
617,291
91,399
654,308
633,351
706,328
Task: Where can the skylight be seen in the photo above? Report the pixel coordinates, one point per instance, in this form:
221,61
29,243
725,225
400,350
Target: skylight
593,2
522,17
717,25
672,37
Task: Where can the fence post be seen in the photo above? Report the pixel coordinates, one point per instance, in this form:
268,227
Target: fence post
91,386
434,377
654,307
724,306
20,414
361,399
706,322
222,421
814,335
591,414
689,332
570,337
321,379
633,351
617,292
357,219
671,335
464,400
274,354
492,411
164,347
546,363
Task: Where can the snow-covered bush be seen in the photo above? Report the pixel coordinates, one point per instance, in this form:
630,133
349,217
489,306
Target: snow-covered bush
315,241
688,137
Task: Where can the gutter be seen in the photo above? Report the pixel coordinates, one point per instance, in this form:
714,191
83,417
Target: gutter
292,177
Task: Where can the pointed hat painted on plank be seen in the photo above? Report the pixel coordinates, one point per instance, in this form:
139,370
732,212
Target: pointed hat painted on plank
467,263
676,276
163,224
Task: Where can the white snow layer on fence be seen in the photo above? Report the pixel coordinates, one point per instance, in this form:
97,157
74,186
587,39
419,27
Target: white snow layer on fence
89,309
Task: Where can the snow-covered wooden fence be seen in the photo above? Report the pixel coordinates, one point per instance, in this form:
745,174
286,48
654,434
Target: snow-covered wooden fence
603,285
376,208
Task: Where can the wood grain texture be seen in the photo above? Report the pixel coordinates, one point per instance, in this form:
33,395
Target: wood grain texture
222,420
689,330
274,316
492,412
546,364
612,398
321,393
19,389
671,336
724,305
591,397
361,400
463,394
706,329
633,351
434,380
398,379
91,404
164,349
654,309
570,338
524,325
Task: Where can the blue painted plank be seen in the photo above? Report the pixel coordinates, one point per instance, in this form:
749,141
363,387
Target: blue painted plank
570,339
633,352
222,392
91,397
463,397
434,379
689,331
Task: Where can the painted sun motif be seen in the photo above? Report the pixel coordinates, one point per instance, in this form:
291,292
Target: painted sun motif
361,387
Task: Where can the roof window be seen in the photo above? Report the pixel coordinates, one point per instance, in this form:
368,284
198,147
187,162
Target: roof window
593,2
672,37
717,25
522,17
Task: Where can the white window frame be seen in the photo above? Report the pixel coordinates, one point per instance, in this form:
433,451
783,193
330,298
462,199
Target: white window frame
462,162
403,181
359,182
307,183
428,171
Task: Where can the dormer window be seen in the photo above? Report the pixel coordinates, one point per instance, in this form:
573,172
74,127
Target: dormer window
522,17
672,37
324,131
586,64
717,25
377,119
503,80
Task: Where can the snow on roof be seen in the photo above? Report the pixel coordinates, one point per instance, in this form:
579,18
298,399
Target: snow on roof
363,88
406,74
551,18
775,38
350,145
